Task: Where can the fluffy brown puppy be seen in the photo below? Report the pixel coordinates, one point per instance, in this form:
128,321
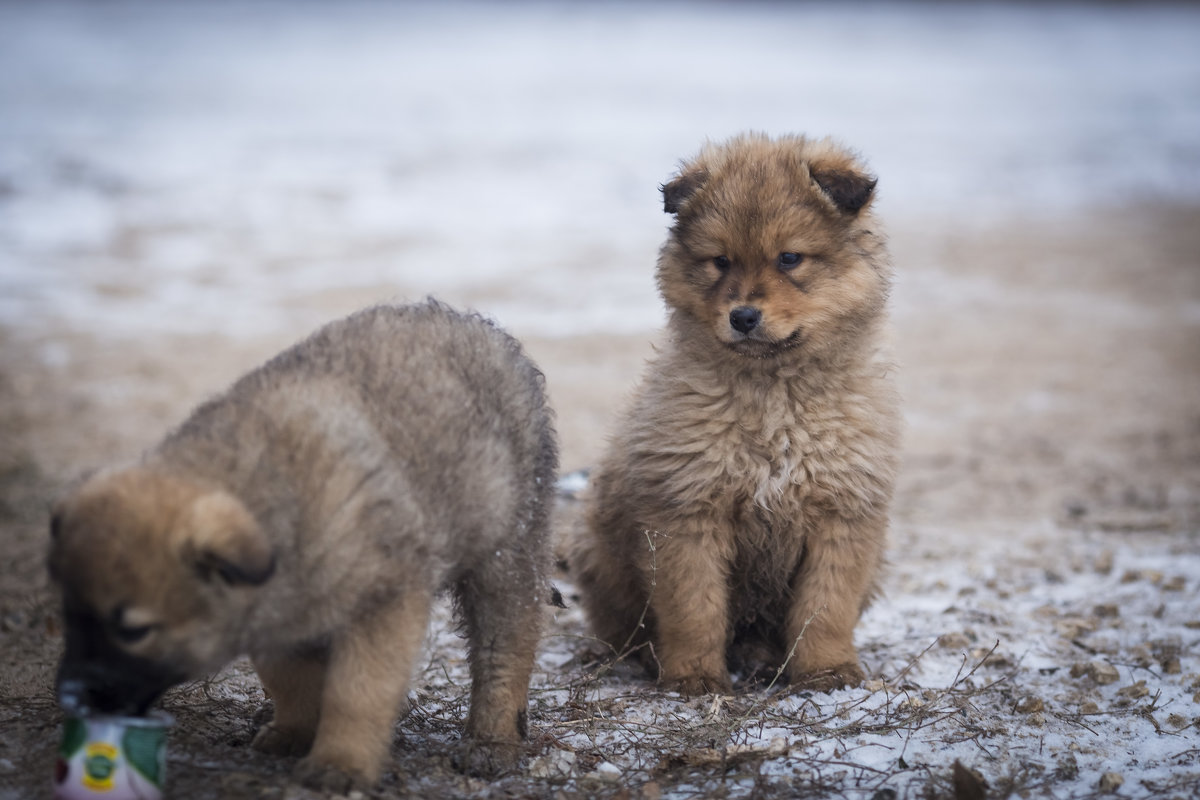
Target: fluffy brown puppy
739,517
307,517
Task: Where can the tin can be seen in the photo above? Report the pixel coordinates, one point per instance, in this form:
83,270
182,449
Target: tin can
118,758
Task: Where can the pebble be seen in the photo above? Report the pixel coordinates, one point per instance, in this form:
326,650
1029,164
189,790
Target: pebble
1030,704
1111,781
607,771
555,764
1098,671
1134,691
954,641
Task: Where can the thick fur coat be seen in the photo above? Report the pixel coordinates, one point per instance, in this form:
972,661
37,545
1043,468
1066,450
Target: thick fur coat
738,520
307,517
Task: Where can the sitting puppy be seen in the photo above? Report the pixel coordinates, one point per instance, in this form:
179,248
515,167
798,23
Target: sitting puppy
307,517
739,517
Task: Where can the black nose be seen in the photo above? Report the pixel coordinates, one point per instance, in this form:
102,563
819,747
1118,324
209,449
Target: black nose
744,319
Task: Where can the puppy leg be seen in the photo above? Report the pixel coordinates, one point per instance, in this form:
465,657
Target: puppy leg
370,665
832,587
690,603
502,606
614,597
294,683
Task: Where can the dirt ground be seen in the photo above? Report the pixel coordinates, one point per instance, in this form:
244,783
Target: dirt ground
1050,504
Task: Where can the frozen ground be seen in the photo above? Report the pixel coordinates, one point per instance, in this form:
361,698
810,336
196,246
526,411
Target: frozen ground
185,187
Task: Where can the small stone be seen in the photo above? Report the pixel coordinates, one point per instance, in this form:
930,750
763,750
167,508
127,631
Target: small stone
1089,707
1103,673
1030,704
1067,767
1134,691
1036,719
555,764
1111,781
1107,610
607,772
954,641
1074,627
1078,670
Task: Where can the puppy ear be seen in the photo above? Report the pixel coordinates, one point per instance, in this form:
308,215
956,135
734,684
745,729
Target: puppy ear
680,189
849,190
222,539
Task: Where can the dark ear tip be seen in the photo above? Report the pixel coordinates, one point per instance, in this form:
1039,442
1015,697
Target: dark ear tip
676,192
848,190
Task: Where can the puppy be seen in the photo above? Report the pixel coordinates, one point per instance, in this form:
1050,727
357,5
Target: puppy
307,517
738,519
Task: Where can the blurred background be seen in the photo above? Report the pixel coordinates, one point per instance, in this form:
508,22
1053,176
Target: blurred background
185,166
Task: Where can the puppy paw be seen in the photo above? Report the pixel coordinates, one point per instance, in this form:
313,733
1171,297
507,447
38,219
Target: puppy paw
487,759
324,777
282,741
696,685
828,679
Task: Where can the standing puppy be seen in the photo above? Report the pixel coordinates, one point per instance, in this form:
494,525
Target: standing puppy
739,517
307,517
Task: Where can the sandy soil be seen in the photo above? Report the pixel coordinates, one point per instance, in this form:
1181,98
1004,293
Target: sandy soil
1046,532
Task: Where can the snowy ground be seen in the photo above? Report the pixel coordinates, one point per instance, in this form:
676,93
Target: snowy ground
186,187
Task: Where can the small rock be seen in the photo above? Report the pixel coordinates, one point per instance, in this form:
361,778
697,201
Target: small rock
1074,627
1030,704
607,772
1067,767
555,764
1102,673
954,641
1089,707
1111,781
1177,721
1107,610
1134,691
968,783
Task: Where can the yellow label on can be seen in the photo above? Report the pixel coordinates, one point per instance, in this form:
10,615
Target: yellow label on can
99,766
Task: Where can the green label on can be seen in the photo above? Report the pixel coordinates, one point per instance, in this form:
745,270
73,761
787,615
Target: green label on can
74,735
144,749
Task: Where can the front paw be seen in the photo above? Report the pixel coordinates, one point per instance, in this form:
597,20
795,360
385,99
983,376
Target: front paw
487,759
327,778
696,685
282,741
827,680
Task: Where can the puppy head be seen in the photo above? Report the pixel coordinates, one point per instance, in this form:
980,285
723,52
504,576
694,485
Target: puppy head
155,572
773,247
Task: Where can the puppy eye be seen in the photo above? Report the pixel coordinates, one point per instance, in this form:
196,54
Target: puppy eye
722,263
790,260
